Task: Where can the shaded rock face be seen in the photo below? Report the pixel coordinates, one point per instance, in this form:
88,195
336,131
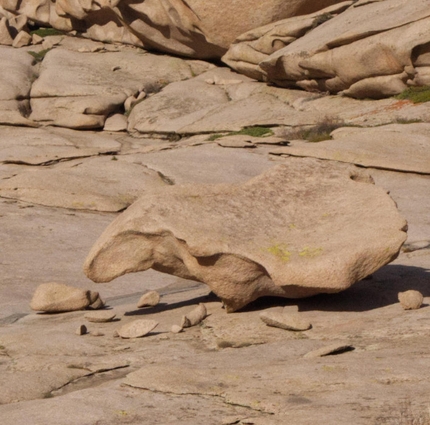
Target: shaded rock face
301,228
370,50
193,28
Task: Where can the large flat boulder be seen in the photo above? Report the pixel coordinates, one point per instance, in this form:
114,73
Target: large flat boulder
301,228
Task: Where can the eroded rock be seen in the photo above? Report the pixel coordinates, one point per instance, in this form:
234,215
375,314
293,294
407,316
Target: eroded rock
150,299
100,316
194,317
289,322
301,228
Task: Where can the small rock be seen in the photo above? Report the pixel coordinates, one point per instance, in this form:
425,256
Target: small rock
115,334
57,297
137,329
176,329
115,123
36,39
284,321
328,350
194,317
22,39
150,299
82,330
96,333
411,300
100,316
97,304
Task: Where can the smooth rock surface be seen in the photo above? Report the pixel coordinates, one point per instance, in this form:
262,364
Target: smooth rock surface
291,254
58,298
194,317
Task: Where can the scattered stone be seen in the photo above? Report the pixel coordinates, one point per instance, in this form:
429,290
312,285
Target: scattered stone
115,334
415,246
150,299
57,298
137,328
96,333
81,330
22,39
176,329
194,317
97,304
329,350
100,316
411,300
115,123
284,321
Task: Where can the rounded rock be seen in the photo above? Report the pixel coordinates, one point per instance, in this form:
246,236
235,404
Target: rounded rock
411,300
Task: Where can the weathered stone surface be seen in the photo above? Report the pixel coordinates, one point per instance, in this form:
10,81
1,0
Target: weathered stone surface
137,328
100,316
284,321
116,122
291,254
329,350
411,300
194,317
193,28
78,90
57,298
401,147
374,58
86,185
176,329
150,299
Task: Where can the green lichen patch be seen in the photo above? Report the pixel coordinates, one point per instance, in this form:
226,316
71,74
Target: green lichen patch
419,94
281,251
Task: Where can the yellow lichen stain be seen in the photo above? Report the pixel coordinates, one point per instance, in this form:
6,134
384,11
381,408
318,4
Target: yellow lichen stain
280,251
308,251
292,226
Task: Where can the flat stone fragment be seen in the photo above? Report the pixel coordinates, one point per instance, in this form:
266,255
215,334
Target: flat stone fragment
301,228
176,329
100,316
284,321
411,300
150,299
329,350
137,328
57,298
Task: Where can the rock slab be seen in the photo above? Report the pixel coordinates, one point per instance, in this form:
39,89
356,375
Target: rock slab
301,228
284,321
137,328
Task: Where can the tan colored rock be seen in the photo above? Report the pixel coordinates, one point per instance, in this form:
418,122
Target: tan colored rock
57,298
194,317
22,39
398,147
81,330
377,51
150,299
259,238
5,37
411,300
193,28
116,122
100,316
176,329
137,328
284,321
329,350
96,302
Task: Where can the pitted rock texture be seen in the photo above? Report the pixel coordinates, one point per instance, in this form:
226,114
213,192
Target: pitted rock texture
302,228
193,28
371,50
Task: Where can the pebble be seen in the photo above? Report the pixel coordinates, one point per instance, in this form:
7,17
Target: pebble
137,328
284,321
96,333
100,316
176,329
328,350
150,299
411,300
82,330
